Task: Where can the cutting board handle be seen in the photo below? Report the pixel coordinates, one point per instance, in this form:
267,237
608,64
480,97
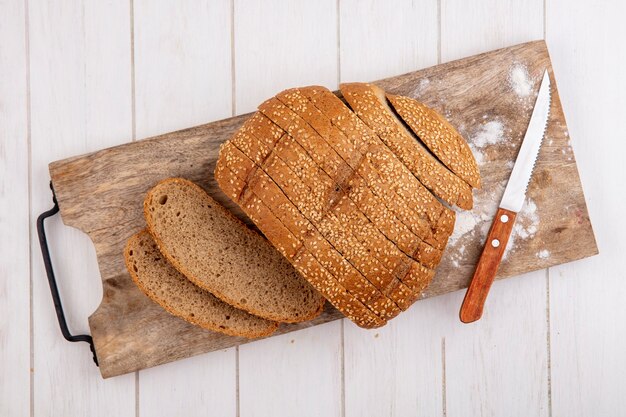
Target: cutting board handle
54,290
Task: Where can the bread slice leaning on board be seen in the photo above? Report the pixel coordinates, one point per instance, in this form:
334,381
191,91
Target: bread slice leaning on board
218,253
161,282
349,195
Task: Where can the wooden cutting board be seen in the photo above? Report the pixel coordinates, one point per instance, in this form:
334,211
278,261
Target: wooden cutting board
488,97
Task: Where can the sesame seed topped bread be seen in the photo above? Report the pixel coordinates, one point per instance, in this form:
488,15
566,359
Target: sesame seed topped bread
338,193
439,136
397,178
263,201
370,104
160,281
215,251
355,156
269,192
326,223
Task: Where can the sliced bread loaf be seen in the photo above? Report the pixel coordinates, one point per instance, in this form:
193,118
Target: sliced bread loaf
317,271
349,197
217,252
160,281
262,192
342,214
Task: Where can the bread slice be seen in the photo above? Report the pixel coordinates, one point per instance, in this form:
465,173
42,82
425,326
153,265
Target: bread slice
370,104
217,252
160,281
439,136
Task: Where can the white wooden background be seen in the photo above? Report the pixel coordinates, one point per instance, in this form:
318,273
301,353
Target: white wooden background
79,75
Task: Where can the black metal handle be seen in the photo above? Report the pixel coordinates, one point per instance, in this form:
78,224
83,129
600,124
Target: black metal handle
43,242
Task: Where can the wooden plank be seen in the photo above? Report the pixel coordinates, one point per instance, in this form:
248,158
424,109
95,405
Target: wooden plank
511,337
499,364
191,387
102,193
182,53
381,40
292,374
274,50
80,101
473,28
182,64
587,298
15,346
381,366
397,369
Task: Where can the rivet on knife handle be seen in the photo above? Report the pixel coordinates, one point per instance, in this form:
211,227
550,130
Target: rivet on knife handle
495,245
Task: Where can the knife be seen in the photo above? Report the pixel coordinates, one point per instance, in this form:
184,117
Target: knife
511,204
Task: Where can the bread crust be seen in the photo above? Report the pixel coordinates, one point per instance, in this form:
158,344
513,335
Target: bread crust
196,319
151,227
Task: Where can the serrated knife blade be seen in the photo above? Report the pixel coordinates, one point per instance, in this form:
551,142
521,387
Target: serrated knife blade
511,204
515,191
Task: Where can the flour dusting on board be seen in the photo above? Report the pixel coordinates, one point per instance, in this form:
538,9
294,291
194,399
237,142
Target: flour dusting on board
472,223
543,254
520,81
419,90
472,226
490,133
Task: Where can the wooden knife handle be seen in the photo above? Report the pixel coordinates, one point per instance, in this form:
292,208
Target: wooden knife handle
485,272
